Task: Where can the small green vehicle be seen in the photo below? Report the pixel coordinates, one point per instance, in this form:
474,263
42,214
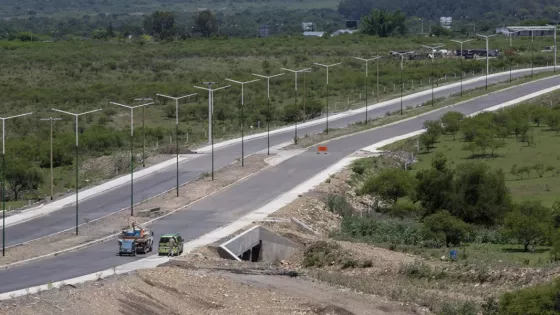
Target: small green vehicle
164,240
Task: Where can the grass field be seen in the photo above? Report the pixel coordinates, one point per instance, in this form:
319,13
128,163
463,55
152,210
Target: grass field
545,188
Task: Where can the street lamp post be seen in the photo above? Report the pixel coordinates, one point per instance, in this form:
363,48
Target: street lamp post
295,72
461,42
268,106
76,116
4,178
211,90
131,150
510,34
402,55
242,117
327,87
176,131
487,55
366,83
433,49
52,120
144,99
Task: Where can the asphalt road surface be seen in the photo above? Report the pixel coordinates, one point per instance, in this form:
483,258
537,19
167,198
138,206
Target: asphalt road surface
165,179
238,200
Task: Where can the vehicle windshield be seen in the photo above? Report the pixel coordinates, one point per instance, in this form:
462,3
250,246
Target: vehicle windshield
164,240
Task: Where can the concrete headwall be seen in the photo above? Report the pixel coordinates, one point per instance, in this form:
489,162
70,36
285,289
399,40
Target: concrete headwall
273,246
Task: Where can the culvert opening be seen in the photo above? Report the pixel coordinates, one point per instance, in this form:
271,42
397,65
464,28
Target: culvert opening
258,244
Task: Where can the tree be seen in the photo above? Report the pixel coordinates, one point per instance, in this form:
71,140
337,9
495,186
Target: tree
442,225
556,214
161,24
553,121
538,114
428,140
434,188
451,122
390,184
384,23
22,177
481,195
206,23
529,223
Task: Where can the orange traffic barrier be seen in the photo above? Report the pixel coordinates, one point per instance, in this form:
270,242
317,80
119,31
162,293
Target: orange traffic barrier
322,149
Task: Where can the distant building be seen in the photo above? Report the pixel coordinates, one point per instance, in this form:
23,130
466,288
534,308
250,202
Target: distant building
264,30
307,26
340,32
316,34
445,21
547,30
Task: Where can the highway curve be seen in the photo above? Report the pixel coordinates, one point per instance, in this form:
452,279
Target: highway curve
236,201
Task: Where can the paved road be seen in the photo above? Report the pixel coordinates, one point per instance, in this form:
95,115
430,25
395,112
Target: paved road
238,200
165,179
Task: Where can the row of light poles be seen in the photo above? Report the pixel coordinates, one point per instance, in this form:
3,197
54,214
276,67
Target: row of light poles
210,88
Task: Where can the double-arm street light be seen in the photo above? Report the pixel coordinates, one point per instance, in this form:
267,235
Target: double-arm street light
366,83
327,87
433,49
487,54
176,99
402,55
268,105
143,99
211,90
4,178
296,72
52,120
242,116
510,34
460,42
131,150
76,116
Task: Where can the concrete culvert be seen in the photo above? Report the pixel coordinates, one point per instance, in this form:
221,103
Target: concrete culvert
258,244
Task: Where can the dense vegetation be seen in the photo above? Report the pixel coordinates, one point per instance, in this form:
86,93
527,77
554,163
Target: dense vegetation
65,19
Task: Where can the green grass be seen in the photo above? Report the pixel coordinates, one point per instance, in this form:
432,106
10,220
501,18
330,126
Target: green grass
495,255
546,188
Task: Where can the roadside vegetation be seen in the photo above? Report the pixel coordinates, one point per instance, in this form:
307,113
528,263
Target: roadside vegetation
79,76
484,187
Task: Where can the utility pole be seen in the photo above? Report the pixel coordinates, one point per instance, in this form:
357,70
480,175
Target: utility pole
242,117
176,99
433,49
460,42
402,55
366,80
211,90
327,88
487,54
268,106
76,116
52,120
4,178
296,72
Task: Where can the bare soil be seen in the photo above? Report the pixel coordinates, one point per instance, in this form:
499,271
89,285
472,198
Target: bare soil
112,224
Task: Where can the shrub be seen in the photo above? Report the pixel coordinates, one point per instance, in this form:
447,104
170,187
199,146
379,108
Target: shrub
542,299
443,226
339,205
